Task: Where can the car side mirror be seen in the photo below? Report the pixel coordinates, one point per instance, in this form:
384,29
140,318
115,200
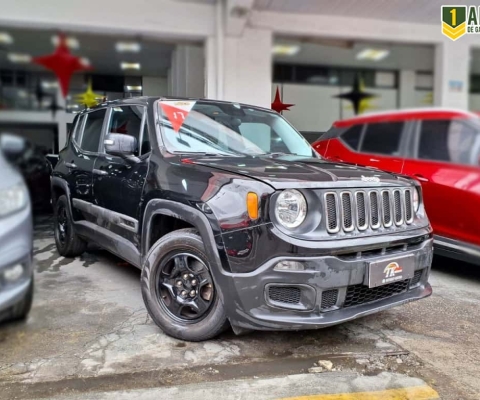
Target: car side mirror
12,146
119,144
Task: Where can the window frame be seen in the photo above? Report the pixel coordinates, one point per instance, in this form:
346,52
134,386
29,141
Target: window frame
84,117
403,142
360,141
418,132
141,130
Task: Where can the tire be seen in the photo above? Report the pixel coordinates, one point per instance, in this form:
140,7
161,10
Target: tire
202,322
69,244
22,308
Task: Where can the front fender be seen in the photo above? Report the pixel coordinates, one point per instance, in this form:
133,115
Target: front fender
186,213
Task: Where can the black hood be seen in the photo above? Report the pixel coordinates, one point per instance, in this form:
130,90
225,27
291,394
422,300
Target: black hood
300,172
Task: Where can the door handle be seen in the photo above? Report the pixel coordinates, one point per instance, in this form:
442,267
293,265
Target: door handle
70,165
421,178
100,172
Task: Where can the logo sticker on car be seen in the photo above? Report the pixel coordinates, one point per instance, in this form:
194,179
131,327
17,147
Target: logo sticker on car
393,272
370,179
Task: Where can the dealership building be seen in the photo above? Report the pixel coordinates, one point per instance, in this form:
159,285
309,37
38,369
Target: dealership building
311,51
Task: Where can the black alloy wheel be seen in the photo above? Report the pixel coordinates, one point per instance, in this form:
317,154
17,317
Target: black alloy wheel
62,225
69,244
185,287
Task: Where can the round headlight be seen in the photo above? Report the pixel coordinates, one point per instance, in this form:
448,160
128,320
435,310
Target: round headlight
416,200
291,208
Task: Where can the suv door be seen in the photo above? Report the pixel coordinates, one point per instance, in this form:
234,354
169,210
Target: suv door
118,181
84,151
446,162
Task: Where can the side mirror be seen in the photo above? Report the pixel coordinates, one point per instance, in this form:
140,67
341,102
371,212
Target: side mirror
12,146
120,145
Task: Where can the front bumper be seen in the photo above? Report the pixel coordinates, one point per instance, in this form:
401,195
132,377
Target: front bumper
331,290
16,242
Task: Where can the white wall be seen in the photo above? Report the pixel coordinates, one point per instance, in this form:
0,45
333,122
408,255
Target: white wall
166,18
154,86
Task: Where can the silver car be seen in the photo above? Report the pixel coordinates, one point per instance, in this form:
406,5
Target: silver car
16,236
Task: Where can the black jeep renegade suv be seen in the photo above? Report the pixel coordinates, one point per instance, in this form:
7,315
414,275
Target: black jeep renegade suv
235,220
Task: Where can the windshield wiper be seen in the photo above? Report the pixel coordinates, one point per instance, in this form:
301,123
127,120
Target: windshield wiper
203,153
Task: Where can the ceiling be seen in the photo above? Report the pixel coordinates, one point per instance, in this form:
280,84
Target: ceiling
154,56
416,11
343,53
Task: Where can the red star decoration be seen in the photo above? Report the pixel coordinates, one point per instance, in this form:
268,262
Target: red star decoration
277,104
62,63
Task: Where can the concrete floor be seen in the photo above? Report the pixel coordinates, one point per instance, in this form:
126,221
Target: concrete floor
89,333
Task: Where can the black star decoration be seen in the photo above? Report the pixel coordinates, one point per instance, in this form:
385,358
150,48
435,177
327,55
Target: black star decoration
356,95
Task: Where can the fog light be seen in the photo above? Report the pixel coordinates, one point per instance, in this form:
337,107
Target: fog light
13,273
289,266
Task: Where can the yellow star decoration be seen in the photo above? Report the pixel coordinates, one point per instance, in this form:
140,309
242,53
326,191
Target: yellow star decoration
365,104
89,97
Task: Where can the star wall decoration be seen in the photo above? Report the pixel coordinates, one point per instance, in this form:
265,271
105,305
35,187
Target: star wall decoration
89,98
63,63
278,105
357,96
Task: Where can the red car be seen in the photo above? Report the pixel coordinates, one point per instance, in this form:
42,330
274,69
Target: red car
440,148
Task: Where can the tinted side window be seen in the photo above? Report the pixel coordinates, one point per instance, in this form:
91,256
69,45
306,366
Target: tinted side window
352,136
127,120
93,130
447,140
383,138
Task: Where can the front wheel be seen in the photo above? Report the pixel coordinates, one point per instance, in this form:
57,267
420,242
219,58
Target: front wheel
178,288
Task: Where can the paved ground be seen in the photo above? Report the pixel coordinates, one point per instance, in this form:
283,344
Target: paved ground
89,336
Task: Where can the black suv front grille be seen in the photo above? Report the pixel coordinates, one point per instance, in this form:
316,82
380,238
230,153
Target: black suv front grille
361,209
362,294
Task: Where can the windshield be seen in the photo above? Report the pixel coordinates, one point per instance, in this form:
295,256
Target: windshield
227,129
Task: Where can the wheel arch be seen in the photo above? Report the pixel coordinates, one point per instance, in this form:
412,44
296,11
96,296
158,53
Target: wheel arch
59,188
191,216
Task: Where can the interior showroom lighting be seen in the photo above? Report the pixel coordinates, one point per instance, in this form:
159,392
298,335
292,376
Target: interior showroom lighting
5,38
285,49
124,47
72,42
133,88
49,84
19,58
129,65
85,61
373,54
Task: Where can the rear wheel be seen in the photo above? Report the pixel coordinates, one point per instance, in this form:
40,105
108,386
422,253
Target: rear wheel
178,288
69,244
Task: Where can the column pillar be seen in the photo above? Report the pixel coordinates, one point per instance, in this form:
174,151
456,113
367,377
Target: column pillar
247,64
452,74
406,88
